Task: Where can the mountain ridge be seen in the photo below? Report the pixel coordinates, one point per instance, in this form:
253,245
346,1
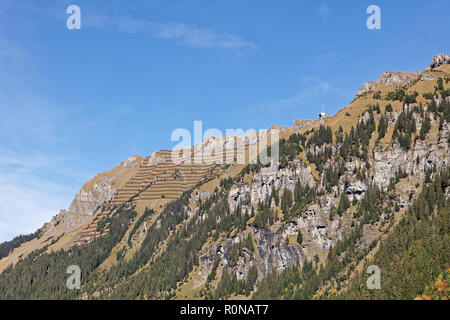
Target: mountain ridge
310,160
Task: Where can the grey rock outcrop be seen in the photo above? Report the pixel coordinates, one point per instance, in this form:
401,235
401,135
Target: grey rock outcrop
389,79
132,161
268,179
93,194
439,60
423,155
86,203
275,251
300,124
356,190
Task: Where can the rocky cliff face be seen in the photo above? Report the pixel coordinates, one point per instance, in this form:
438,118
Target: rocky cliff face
86,202
388,79
439,60
309,229
423,155
267,179
98,191
402,78
274,249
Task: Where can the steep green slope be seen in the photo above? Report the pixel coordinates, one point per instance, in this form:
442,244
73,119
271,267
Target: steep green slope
43,275
342,197
417,250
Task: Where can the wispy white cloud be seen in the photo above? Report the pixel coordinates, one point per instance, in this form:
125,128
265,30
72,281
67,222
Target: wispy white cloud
182,33
315,93
34,182
201,37
309,96
24,206
10,158
27,198
324,11
189,35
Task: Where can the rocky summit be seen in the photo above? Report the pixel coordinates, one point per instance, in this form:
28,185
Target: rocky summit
369,186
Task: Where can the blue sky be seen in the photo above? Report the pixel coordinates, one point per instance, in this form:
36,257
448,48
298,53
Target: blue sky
77,102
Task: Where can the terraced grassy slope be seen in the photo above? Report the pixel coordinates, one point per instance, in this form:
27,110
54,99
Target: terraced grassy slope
302,228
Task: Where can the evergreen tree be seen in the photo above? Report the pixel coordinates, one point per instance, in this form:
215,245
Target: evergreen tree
344,204
382,127
299,237
426,126
286,201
